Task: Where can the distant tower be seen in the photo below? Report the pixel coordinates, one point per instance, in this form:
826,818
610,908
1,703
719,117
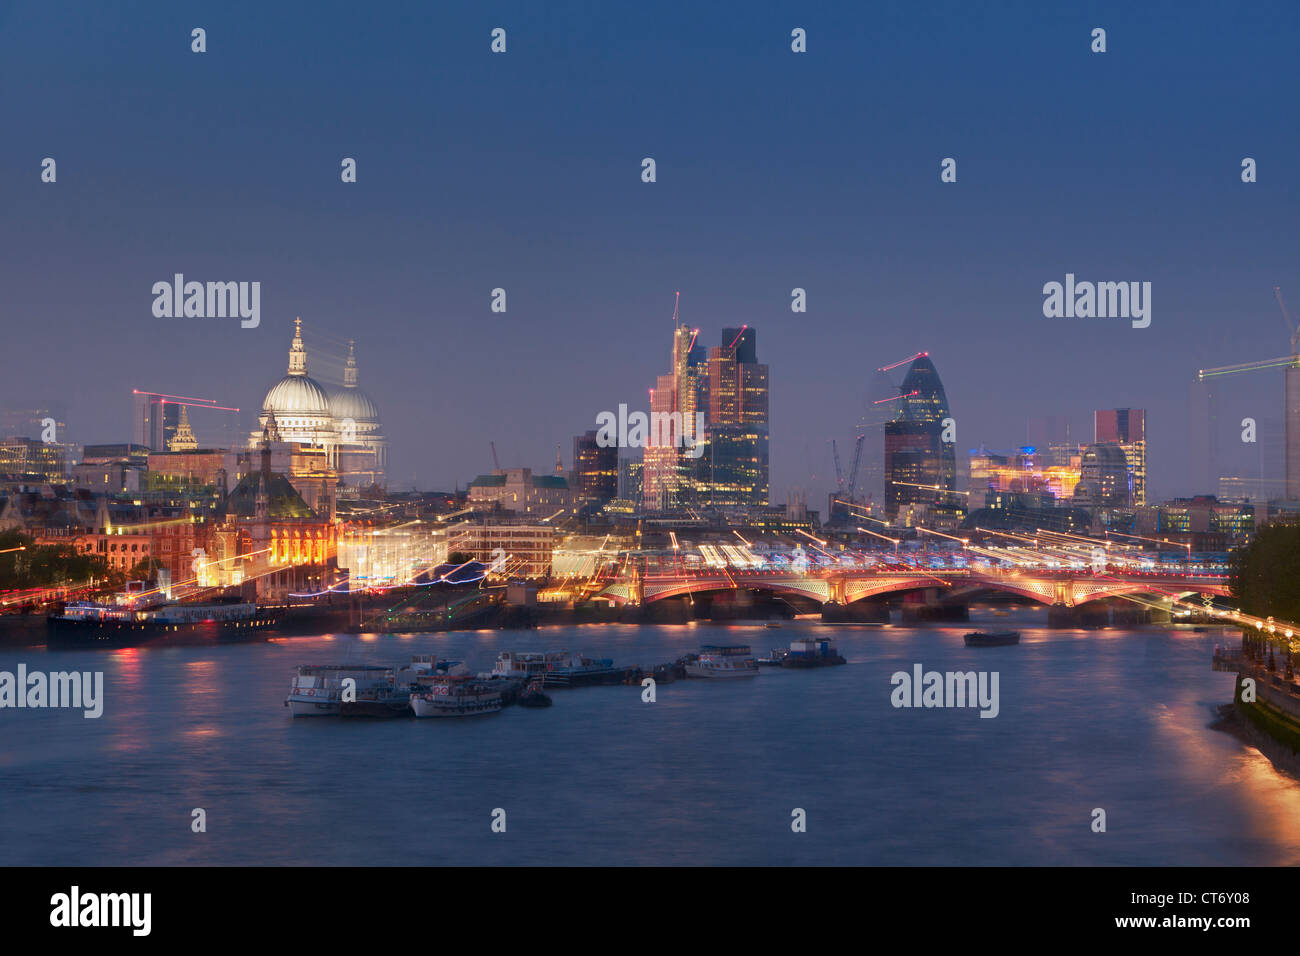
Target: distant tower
271,431
1126,427
559,463
184,439
920,467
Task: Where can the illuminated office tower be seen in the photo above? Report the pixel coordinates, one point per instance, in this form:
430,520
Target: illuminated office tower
595,469
734,468
667,475
1126,427
920,467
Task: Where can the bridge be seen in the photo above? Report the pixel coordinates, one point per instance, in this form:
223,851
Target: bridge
1053,587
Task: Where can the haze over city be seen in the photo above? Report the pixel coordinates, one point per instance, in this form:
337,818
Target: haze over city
522,172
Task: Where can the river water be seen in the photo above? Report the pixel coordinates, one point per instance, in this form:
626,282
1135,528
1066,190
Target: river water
710,773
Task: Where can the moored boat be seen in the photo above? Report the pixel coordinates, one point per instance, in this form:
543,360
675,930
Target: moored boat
318,690
558,668
723,661
534,696
812,652
132,620
578,671
458,695
992,638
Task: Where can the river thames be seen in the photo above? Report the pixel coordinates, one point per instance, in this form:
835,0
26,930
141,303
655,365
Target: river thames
709,773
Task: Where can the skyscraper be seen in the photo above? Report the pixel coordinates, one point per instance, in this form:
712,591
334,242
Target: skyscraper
161,419
1126,427
595,469
920,467
734,469
667,477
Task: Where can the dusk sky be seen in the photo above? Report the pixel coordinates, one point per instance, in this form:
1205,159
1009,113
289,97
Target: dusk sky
522,170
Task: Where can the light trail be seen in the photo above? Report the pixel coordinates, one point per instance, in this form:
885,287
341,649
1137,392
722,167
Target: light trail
890,368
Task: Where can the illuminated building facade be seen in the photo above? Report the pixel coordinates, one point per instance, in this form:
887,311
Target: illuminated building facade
1126,427
522,491
1206,514
920,467
1021,472
629,480
527,547
595,470
734,469
121,552
274,540
198,468
390,556
30,456
1105,478
668,475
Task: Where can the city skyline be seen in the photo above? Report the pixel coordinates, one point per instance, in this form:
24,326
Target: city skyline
587,435
874,238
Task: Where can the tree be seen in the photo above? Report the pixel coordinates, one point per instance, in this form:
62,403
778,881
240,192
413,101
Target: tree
1266,573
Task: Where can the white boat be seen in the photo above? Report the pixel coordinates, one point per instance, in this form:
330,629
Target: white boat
454,696
557,668
380,690
317,689
523,664
733,660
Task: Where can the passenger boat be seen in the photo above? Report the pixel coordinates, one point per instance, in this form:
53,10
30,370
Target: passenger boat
734,660
137,618
812,652
558,668
516,664
317,690
454,695
992,639
578,671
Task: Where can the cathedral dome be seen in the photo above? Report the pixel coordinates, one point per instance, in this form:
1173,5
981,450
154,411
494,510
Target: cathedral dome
349,402
354,404
296,394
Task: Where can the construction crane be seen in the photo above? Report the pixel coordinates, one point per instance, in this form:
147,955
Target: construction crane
1291,326
839,474
496,462
1291,401
1281,361
857,460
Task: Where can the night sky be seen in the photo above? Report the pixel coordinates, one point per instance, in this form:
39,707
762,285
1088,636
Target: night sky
523,171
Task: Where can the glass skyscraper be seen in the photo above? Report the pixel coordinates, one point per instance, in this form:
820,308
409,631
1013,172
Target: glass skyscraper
920,467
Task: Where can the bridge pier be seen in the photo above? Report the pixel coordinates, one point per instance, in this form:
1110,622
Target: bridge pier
866,611
1109,612
919,606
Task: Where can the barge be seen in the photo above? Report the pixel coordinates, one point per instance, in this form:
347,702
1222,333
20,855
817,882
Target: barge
133,623
992,638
